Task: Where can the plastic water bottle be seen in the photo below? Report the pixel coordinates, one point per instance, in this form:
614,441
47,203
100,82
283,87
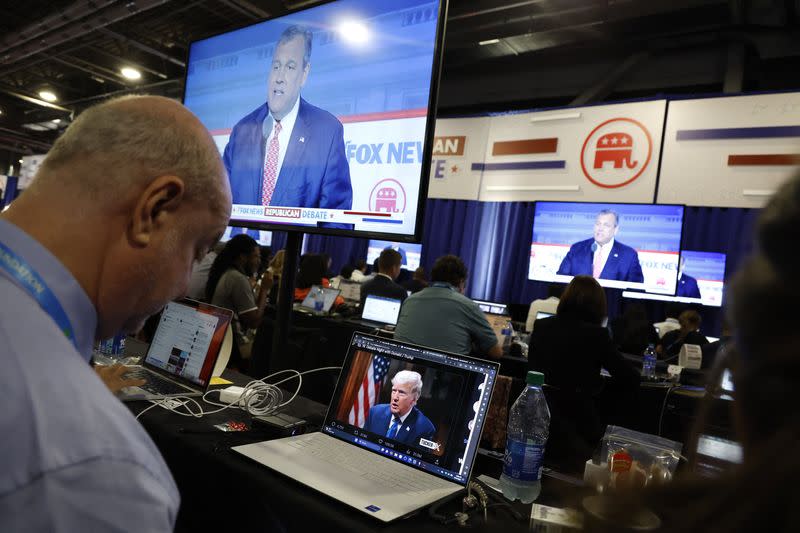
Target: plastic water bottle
318,298
649,362
528,429
508,335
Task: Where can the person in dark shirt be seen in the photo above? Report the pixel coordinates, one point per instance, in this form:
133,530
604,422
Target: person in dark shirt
673,341
389,264
632,331
570,348
418,282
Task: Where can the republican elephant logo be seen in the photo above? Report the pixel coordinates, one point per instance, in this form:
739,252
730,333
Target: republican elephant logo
387,196
386,200
616,152
615,147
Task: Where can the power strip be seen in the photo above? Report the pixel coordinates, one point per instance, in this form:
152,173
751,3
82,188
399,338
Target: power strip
231,394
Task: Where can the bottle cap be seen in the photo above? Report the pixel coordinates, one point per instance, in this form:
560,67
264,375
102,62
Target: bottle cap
534,378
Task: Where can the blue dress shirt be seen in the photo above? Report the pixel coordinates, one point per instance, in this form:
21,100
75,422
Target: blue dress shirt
72,457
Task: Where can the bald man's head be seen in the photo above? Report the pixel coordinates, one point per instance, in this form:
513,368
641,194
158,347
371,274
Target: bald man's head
123,143
129,197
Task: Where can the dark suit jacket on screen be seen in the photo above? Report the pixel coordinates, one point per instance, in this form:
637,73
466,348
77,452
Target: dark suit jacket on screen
687,287
314,173
622,264
415,426
382,286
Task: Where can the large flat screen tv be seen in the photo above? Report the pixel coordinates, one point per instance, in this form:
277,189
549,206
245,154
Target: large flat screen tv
624,246
410,253
324,116
701,280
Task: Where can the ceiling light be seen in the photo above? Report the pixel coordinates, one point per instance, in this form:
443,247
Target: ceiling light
354,31
489,41
131,73
48,96
21,161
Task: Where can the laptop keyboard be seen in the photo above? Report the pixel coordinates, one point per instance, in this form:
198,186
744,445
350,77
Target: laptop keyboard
156,384
389,474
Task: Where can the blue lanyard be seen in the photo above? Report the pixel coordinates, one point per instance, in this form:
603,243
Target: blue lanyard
32,282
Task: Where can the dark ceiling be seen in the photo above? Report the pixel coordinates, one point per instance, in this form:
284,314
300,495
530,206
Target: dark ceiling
540,53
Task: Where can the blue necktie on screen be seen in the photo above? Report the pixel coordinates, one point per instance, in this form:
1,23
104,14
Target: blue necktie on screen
394,428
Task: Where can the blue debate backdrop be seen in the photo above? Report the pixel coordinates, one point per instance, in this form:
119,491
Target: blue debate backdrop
493,238
387,75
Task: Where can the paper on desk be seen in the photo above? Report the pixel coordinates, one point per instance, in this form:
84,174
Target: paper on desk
216,380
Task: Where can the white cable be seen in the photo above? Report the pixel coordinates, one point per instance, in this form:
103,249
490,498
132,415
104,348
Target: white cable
258,397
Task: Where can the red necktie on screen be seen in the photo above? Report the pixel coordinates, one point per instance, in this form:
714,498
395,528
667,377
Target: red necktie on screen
271,166
597,266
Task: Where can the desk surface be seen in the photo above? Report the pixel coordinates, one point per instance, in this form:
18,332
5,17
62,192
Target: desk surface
222,489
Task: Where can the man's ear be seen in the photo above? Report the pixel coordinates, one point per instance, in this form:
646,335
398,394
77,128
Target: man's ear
161,197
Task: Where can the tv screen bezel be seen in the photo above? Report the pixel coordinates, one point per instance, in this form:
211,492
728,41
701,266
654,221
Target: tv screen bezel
430,127
683,230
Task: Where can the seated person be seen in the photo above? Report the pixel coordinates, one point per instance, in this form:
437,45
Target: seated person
230,286
383,284
442,317
670,323
632,331
689,333
548,305
360,271
418,281
312,272
345,273
570,348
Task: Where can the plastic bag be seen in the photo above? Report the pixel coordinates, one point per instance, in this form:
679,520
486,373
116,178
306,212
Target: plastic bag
638,459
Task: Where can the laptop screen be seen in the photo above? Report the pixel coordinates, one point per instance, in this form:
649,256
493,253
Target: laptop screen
542,314
441,399
716,454
498,323
188,339
380,309
492,307
328,297
351,290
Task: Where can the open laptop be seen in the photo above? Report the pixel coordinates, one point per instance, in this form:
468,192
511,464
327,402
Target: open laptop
380,311
492,307
328,298
185,348
351,291
354,459
498,323
542,314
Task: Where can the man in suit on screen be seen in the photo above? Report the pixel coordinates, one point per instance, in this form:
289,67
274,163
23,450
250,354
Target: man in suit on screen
602,256
400,419
288,152
687,285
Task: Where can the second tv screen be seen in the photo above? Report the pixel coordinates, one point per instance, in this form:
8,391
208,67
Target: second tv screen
624,246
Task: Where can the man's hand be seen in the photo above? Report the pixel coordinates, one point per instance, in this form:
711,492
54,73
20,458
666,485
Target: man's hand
114,377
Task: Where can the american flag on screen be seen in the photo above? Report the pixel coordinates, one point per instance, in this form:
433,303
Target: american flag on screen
368,392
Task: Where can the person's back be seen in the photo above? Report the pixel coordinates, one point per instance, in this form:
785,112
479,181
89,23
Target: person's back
571,352
383,284
443,318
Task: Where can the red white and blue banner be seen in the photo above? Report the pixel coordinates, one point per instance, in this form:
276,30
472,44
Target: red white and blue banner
729,152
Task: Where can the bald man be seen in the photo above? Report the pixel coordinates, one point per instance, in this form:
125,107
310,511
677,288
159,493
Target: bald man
127,199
